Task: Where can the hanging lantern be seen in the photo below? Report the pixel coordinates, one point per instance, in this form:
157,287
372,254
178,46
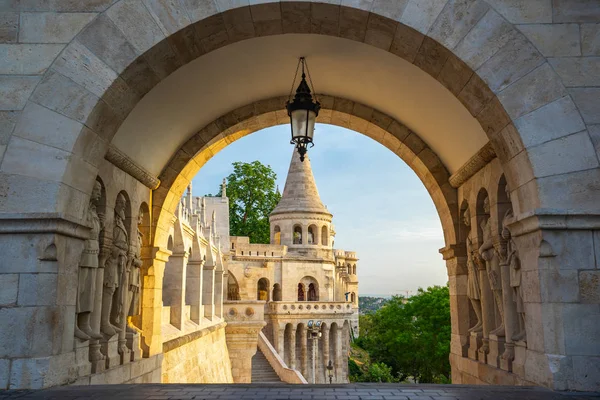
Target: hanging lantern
303,112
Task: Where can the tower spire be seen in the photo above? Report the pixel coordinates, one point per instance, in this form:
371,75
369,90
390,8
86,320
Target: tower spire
300,193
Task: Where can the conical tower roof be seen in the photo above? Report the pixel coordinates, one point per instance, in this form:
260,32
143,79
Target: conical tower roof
300,194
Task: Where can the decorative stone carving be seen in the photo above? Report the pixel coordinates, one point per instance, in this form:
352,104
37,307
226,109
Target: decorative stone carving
492,266
473,289
126,164
514,264
88,267
112,299
473,165
507,255
134,272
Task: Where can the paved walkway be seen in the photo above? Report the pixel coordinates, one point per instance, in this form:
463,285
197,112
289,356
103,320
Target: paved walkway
300,392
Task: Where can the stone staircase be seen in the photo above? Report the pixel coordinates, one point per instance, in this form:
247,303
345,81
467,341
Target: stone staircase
262,372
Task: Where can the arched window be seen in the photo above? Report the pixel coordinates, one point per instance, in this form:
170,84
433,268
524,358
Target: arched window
276,235
297,234
233,289
324,235
354,269
310,289
349,268
353,297
300,292
312,232
277,292
312,293
262,290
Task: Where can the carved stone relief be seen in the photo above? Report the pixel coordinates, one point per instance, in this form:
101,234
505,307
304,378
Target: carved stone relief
88,267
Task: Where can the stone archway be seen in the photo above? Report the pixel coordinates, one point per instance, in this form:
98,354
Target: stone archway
60,116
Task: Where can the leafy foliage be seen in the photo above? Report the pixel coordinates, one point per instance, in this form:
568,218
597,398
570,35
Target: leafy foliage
252,196
412,336
360,368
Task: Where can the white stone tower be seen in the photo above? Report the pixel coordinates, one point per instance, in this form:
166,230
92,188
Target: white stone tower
300,220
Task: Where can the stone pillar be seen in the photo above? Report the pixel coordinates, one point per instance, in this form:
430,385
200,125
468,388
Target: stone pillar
338,361
278,339
193,290
39,276
487,309
208,287
303,353
292,348
317,236
154,261
242,341
219,274
496,342
510,318
325,341
456,264
98,359
175,287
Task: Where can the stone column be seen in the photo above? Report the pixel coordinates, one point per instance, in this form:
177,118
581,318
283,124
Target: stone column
96,357
487,309
193,290
456,264
303,353
292,348
208,287
176,287
325,341
339,361
278,339
219,274
154,261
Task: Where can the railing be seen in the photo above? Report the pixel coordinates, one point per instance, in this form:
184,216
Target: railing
286,374
309,307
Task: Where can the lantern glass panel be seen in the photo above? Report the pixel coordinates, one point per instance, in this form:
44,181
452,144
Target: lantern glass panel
303,123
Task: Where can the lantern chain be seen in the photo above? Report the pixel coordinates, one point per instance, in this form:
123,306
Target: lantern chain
310,80
294,81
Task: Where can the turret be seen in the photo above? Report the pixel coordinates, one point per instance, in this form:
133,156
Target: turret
300,220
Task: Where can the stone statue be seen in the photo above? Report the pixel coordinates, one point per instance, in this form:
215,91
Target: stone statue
473,289
88,267
224,188
492,266
134,273
112,300
514,264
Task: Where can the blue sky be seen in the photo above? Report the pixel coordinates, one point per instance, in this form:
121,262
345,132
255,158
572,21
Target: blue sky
380,208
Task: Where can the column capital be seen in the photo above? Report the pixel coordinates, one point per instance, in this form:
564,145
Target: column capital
156,253
453,250
548,219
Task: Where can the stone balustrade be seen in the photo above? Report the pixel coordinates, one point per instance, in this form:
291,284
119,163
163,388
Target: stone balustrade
310,307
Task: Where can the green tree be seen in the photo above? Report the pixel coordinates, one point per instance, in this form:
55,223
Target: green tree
412,336
252,196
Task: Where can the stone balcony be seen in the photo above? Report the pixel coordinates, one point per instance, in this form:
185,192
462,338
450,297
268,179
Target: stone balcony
309,309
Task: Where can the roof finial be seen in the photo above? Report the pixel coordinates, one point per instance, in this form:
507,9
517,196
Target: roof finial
224,188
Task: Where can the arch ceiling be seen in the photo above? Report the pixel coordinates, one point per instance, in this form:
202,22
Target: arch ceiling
262,68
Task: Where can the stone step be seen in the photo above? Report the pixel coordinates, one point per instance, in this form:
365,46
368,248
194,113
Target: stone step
262,372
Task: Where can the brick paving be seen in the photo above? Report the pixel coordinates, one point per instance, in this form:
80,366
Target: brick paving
364,391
